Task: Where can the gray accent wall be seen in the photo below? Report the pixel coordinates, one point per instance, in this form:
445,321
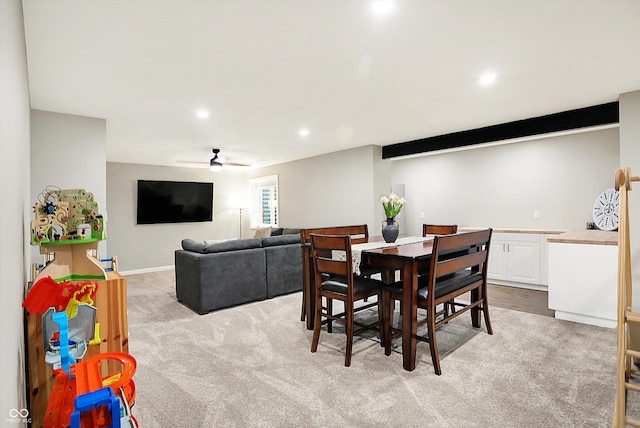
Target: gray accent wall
151,246
332,189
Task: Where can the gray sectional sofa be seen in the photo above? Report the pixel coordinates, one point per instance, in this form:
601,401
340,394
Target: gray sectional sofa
223,274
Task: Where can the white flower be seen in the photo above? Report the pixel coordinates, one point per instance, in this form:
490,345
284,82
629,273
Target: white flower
392,205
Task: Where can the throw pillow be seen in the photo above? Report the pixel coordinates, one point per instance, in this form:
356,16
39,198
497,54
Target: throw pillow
262,232
277,231
194,246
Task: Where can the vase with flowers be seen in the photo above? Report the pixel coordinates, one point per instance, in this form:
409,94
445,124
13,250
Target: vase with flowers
392,205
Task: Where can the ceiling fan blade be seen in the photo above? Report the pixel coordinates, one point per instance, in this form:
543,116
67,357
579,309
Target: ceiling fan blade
193,162
206,163
236,164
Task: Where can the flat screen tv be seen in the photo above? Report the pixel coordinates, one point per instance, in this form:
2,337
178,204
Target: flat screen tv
174,202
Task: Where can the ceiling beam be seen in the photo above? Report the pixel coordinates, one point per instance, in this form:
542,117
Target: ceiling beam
602,114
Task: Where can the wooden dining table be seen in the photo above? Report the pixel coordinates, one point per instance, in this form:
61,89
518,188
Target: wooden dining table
410,260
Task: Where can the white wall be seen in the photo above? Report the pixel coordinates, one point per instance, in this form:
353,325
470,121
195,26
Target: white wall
501,186
141,247
630,157
329,190
497,186
68,152
14,206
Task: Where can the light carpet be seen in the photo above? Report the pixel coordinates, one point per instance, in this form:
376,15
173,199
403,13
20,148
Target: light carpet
251,366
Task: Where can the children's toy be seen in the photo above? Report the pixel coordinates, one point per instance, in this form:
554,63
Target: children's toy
82,293
61,323
67,339
66,214
63,296
45,293
91,406
83,398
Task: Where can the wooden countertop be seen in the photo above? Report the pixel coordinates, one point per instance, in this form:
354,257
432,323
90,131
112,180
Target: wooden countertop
515,230
584,236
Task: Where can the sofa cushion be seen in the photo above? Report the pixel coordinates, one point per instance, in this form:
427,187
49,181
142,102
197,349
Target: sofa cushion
290,231
194,246
280,240
236,244
262,232
217,241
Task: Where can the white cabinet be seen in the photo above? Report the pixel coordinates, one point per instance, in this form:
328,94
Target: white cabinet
583,277
518,259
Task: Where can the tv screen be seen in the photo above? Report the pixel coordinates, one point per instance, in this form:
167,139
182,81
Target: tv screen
174,202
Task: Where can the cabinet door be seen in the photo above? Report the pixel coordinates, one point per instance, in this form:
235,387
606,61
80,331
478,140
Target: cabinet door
524,261
497,268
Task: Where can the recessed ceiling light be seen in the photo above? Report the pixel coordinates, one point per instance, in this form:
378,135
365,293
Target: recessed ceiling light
303,132
488,78
382,7
202,114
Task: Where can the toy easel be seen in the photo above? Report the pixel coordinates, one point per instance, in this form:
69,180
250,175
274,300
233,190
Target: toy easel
628,321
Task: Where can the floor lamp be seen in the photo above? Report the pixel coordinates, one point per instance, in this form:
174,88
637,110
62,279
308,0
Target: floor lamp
240,223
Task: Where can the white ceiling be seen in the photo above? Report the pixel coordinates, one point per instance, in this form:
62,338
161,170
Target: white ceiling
266,68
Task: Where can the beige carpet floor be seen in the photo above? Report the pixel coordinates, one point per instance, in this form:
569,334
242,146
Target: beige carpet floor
251,366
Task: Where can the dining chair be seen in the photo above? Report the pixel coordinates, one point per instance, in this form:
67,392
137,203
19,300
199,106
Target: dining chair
458,266
439,229
358,233
335,280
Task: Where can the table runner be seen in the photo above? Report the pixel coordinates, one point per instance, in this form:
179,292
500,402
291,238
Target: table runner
357,249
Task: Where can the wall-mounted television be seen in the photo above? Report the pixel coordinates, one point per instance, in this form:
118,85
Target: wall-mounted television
174,202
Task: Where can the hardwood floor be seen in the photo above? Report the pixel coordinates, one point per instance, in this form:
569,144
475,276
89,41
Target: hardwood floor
519,299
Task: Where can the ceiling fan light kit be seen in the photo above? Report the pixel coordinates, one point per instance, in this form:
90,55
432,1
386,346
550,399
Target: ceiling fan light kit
215,166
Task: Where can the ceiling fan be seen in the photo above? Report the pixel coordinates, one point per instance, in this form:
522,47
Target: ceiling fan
217,163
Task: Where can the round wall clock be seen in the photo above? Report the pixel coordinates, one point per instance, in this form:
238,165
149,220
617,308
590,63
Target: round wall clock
605,210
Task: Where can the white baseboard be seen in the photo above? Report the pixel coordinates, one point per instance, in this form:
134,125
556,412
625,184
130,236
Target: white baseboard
537,287
147,270
586,319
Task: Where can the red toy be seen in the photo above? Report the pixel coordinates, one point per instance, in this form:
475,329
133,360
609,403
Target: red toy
85,378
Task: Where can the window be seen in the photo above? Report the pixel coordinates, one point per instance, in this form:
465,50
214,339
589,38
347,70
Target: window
264,201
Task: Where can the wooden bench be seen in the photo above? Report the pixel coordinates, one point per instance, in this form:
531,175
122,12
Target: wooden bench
458,266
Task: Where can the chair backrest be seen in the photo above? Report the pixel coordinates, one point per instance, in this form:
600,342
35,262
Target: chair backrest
454,253
358,233
439,229
323,250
